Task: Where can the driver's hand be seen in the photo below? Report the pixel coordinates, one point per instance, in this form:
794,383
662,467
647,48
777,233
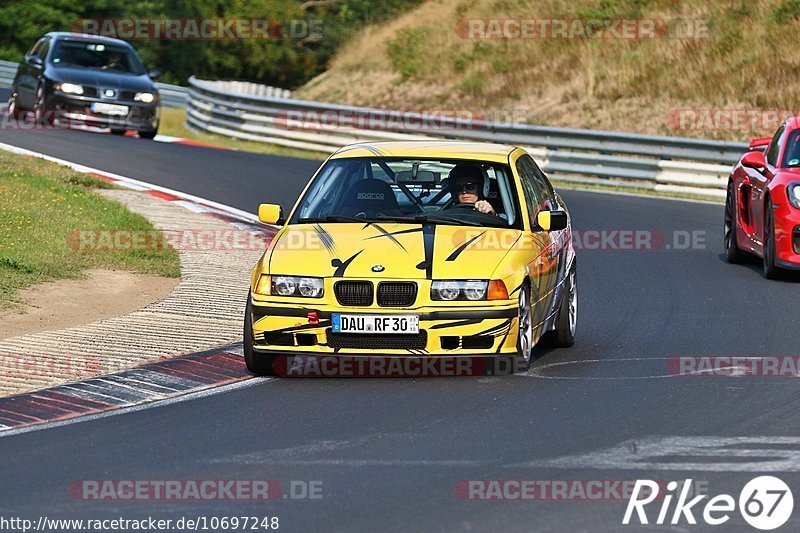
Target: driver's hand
484,207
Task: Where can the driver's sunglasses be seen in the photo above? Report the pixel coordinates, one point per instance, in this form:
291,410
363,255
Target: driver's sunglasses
468,186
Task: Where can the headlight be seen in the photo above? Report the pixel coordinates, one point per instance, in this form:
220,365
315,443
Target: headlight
144,97
70,88
297,286
793,190
450,290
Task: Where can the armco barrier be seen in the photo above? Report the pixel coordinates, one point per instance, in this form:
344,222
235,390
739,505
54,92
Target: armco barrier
672,164
171,95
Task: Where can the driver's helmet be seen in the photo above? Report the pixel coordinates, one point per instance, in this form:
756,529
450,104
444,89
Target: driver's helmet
465,170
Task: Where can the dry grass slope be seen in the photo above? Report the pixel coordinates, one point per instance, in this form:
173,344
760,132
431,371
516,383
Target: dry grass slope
750,60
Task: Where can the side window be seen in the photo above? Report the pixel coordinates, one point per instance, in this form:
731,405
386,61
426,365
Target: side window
36,47
774,147
532,197
43,49
540,182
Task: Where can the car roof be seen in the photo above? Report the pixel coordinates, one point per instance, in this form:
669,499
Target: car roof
69,36
497,153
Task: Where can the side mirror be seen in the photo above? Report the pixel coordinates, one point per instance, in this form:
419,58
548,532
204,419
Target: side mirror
36,61
754,160
551,220
270,213
154,74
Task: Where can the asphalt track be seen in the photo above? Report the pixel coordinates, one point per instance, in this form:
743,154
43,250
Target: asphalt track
390,452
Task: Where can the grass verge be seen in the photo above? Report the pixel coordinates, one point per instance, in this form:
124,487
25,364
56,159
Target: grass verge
41,205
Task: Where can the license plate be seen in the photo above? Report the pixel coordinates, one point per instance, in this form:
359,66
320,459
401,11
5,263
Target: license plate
110,109
386,324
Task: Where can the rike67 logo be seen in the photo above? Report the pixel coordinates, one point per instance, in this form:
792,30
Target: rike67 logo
765,503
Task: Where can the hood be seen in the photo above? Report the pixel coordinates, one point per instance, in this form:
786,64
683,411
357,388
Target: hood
100,78
407,251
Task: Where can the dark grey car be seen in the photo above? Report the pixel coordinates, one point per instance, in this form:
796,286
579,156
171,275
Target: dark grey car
84,79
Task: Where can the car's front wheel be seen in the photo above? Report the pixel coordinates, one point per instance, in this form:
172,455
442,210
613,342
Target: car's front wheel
13,107
259,364
40,114
148,134
524,329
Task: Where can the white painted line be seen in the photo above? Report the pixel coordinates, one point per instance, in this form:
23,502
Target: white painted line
191,206
724,454
537,371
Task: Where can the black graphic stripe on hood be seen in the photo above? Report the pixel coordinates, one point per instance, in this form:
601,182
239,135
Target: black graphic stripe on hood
325,238
342,266
453,256
392,233
385,233
428,239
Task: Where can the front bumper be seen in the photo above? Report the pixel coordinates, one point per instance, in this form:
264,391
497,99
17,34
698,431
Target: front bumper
787,236
280,329
73,109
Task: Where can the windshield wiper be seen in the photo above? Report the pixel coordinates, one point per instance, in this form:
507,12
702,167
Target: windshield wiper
424,219
332,218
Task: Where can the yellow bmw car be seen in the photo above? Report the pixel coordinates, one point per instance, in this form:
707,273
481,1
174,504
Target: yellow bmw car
415,249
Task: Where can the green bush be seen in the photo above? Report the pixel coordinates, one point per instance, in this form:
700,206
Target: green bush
406,51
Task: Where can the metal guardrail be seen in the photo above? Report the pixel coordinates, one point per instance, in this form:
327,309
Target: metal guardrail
670,164
171,95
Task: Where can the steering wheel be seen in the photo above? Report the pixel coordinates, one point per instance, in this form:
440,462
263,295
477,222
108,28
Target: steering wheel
464,205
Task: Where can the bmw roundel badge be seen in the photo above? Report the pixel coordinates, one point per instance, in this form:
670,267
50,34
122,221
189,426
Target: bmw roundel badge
378,268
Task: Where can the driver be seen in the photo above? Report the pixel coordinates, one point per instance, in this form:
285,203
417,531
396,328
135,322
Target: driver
466,186
114,62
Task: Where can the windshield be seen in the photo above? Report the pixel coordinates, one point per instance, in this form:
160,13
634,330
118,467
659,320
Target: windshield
379,189
791,157
97,56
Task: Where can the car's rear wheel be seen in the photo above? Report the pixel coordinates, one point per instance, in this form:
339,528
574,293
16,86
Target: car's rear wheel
563,336
259,364
13,107
770,270
148,134
118,132
733,254
524,329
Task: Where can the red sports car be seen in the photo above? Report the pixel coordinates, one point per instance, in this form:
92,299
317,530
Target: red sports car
762,209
